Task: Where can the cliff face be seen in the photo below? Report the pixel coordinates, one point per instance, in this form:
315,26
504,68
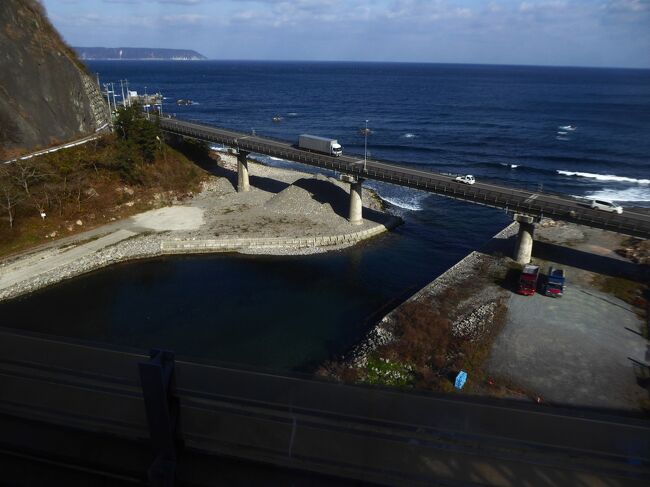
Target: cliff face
46,95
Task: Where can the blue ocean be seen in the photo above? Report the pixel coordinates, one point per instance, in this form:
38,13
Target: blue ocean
576,131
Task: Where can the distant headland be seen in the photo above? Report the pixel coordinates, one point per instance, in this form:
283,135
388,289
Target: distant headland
137,53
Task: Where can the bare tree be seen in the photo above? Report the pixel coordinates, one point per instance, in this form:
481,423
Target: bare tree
9,196
25,172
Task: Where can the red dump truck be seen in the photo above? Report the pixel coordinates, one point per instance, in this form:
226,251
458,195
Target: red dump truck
528,280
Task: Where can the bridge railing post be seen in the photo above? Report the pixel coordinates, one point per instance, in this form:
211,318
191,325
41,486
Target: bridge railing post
157,379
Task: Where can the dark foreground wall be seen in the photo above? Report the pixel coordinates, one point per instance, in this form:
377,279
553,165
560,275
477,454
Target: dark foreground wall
45,94
73,407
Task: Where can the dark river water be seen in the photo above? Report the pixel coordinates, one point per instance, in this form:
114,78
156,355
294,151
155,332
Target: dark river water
272,312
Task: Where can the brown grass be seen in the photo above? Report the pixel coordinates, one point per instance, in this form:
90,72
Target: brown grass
426,346
81,183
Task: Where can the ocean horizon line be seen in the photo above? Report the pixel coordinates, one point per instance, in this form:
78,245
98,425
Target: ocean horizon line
422,63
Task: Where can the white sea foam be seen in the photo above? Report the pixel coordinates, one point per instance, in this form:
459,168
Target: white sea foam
562,138
218,148
511,166
292,114
630,194
408,204
604,177
409,136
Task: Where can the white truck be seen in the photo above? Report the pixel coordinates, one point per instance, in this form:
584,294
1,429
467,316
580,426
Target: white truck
320,144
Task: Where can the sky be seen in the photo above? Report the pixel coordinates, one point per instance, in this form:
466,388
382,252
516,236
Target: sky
607,33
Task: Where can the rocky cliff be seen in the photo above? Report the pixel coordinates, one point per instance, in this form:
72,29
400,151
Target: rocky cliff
46,95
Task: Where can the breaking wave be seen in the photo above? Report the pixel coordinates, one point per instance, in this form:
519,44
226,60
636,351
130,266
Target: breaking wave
408,204
604,177
630,194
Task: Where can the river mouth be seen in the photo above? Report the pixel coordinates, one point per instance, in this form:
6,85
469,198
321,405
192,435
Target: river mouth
280,313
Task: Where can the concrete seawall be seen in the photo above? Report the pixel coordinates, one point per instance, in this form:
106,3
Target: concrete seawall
181,246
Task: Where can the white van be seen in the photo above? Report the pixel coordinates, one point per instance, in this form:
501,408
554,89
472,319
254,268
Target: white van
605,205
468,179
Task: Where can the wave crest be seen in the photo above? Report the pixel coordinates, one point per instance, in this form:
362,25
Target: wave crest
604,177
630,194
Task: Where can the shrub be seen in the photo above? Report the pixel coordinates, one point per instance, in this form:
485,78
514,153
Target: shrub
424,335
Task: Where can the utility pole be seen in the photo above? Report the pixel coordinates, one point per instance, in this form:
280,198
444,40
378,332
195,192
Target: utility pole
123,98
108,97
146,103
365,147
113,90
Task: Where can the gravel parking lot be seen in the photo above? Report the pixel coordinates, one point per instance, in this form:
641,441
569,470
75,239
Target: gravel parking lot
576,350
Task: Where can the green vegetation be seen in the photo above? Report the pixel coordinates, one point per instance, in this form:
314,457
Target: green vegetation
120,174
382,371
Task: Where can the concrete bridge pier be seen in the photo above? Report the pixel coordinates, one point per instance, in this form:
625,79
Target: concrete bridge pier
242,172
524,245
356,202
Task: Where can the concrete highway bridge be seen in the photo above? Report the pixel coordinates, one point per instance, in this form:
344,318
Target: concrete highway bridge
527,207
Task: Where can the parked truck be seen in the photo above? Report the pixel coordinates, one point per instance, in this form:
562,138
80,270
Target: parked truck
528,280
554,285
320,144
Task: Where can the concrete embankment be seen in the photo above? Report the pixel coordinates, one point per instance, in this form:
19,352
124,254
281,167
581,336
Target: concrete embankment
384,332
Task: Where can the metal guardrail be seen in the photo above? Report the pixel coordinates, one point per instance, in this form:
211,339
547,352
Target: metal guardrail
538,204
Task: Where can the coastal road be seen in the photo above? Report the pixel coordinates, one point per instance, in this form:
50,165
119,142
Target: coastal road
67,145
513,200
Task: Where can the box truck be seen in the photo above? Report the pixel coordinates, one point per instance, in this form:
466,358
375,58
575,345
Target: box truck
320,144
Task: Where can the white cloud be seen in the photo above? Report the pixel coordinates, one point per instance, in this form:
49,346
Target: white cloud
515,31
183,19
628,5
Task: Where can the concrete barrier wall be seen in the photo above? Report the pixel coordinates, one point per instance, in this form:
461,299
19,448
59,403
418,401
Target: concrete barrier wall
230,244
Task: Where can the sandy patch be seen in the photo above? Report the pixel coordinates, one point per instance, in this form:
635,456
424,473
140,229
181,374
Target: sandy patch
172,218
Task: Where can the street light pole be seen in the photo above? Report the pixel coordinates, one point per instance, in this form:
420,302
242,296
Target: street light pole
365,147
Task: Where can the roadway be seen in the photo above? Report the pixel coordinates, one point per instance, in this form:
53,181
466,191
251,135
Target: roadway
512,200
67,145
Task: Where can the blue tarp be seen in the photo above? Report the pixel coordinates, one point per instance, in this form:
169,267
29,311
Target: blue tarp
461,378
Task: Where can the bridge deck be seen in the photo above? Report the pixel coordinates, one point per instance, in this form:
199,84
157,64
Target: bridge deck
510,199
